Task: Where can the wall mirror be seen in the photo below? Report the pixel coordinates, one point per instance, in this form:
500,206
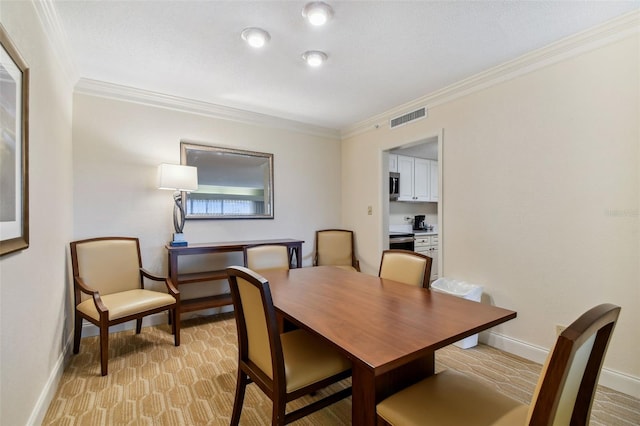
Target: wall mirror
232,183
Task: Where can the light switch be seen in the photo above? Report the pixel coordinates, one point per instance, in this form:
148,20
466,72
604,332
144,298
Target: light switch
370,210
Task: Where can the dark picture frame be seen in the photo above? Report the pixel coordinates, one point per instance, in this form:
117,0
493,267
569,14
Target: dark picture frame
14,153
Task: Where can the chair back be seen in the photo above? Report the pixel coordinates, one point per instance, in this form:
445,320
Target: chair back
258,337
566,387
266,257
406,267
334,247
108,265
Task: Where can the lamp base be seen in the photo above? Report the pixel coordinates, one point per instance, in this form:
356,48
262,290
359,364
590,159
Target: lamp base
178,240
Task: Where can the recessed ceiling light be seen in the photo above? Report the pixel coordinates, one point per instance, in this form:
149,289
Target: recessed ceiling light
314,58
255,37
317,13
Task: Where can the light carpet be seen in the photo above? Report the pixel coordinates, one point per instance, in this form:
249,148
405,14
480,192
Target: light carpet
152,382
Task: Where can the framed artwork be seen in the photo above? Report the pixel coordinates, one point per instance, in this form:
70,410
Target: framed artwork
14,153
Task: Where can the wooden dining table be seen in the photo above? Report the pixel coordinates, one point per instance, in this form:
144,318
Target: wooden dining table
389,330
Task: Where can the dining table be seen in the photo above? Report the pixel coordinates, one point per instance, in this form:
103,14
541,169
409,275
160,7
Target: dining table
387,329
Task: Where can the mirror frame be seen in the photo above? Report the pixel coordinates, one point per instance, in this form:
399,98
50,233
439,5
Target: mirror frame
187,146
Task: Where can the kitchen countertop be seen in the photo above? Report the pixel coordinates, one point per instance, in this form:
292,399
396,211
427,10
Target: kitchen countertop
419,233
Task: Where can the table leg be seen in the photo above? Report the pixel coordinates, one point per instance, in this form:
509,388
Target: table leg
363,396
369,389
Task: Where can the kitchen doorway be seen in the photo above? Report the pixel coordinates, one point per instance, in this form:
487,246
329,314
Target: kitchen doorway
423,202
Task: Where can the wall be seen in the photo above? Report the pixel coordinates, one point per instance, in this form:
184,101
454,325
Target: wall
540,188
399,211
118,146
34,300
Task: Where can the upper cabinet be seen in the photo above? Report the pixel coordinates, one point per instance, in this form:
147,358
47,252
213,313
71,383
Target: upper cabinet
433,180
416,179
393,163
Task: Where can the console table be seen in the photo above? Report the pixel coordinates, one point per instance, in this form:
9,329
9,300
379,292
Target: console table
294,248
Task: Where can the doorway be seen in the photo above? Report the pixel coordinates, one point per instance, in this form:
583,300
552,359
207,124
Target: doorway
399,213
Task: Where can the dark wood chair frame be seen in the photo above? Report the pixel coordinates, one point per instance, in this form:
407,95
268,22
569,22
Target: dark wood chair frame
600,320
354,261
103,324
248,372
427,271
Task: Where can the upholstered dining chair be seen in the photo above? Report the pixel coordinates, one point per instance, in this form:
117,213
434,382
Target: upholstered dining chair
108,282
406,266
284,366
335,247
266,256
563,396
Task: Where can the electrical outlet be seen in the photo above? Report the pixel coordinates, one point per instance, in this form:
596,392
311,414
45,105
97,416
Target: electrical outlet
560,329
370,210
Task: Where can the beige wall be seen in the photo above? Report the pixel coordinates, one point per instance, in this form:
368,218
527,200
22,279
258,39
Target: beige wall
540,190
118,146
34,310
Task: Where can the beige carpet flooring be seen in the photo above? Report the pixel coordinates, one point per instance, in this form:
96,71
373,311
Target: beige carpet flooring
151,382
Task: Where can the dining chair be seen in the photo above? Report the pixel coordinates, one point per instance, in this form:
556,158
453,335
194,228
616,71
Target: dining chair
266,256
284,366
335,247
406,266
563,396
108,282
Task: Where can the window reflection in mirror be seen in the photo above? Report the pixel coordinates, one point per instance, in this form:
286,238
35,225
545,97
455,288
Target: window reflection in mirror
232,183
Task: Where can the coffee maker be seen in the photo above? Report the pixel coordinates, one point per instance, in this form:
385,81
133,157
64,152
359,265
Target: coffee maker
418,222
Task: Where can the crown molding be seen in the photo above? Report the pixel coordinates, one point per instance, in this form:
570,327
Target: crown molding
58,40
176,103
48,16
601,35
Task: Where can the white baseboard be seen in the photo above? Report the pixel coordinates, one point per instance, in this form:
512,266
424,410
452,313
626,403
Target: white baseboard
612,379
51,387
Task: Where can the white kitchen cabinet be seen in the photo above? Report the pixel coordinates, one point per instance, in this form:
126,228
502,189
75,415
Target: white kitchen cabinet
415,179
433,180
393,163
421,176
405,168
428,245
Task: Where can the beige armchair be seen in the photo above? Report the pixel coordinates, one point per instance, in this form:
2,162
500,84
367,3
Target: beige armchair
284,366
335,247
563,396
108,281
406,267
265,257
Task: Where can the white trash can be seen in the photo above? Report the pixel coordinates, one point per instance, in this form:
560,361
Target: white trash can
464,290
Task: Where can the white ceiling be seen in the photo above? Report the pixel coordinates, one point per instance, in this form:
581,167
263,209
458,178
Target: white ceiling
381,53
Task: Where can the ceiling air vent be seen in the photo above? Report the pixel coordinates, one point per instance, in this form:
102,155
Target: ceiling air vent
406,118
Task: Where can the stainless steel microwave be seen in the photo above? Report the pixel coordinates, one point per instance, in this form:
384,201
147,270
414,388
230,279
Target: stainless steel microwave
394,186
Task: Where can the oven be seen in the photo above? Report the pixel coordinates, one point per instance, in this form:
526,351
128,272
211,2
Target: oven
400,240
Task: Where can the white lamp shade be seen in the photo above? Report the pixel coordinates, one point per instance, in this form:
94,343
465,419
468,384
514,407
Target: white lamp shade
177,177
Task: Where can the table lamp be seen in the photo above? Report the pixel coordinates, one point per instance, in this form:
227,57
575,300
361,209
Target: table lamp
180,179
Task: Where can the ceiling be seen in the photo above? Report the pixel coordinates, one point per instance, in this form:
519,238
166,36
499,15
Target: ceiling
382,54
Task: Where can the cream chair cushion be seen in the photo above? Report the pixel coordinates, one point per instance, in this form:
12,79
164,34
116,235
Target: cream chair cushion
572,382
451,399
345,267
301,351
403,267
127,303
267,257
335,248
97,260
